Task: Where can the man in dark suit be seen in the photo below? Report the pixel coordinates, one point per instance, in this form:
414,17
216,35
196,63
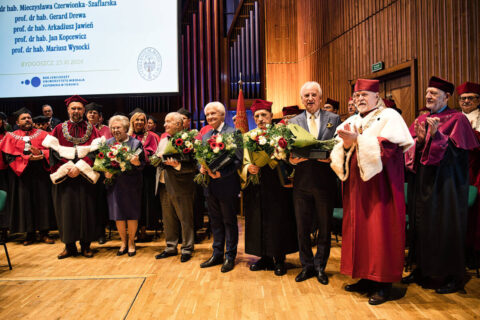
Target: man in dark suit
47,111
223,191
176,190
314,187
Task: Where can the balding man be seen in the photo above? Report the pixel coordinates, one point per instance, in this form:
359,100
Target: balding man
47,111
314,187
222,199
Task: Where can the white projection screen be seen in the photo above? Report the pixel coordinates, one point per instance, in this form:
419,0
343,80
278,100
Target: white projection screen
98,47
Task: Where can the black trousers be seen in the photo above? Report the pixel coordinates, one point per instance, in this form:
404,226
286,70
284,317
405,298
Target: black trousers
313,211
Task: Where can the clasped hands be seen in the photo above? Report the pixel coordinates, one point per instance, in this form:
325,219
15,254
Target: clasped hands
205,170
36,154
421,130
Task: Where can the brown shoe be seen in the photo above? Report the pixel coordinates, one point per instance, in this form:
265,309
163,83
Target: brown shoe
47,240
66,253
87,253
27,242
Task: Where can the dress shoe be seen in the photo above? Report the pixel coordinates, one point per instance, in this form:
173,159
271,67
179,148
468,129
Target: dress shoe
228,265
87,253
414,277
322,277
67,253
265,263
212,261
185,257
27,242
305,274
47,240
122,252
451,287
132,253
362,286
102,240
381,296
165,254
280,269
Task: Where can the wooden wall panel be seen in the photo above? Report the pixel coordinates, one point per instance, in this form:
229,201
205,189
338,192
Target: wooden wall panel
338,41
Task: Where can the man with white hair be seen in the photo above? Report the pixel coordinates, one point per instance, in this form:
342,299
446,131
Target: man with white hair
223,191
314,187
177,190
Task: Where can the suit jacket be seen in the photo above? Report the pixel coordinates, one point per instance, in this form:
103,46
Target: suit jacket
180,182
311,173
228,184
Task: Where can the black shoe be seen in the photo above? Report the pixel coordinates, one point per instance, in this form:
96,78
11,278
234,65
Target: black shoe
322,277
132,253
265,263
165,254
228,265
212,261
122,252
305,274
68,253
413,277
381,296
102,240
185,257
280,269
451,287
362,286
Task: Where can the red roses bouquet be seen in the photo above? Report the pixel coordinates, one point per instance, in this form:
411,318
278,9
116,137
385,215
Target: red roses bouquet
113,159
180,147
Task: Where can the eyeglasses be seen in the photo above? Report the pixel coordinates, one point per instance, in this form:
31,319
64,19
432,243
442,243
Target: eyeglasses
471,98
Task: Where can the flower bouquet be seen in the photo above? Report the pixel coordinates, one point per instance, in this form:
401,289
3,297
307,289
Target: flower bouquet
180,147
305,145
216,153
114,159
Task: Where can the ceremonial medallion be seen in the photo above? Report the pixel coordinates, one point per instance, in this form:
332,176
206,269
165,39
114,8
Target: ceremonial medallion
149,64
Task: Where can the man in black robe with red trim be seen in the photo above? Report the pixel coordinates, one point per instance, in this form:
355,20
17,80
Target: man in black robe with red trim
30,205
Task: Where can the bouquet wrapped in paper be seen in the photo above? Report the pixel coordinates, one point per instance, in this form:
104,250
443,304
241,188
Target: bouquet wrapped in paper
180,147
114,159
303,144
216,153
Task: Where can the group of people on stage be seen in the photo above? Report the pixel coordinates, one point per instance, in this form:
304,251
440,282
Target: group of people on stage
51,184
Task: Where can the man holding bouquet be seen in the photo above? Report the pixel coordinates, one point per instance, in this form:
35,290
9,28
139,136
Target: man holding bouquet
314,187
223,191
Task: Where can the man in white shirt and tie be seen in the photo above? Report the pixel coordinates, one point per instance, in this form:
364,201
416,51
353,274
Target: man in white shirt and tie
314,187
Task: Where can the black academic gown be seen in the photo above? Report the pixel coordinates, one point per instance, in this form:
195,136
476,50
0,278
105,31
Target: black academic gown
270,227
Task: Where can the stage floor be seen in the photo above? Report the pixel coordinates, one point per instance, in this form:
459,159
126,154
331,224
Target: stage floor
109,287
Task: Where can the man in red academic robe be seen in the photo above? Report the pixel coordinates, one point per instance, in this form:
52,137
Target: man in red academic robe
3,172
30,205
369,160
438,191
469,101
73,143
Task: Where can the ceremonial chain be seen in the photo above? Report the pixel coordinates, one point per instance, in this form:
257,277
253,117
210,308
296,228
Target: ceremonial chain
145,138
25,138
73,140
370,121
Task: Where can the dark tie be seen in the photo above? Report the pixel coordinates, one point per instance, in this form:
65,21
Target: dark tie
215,131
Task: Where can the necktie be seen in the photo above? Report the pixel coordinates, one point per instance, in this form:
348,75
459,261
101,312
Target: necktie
313,126
215,131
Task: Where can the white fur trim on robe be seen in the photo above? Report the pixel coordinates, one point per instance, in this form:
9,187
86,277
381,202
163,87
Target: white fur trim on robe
61,174
389,125
87,171
341,160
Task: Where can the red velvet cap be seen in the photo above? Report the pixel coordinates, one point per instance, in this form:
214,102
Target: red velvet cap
367,85
335,104
389,103
261,105
350,99
291,110
468,87
439,83
75,98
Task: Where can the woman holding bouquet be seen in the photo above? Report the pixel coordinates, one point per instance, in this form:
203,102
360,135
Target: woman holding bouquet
270,229
123,195
149,218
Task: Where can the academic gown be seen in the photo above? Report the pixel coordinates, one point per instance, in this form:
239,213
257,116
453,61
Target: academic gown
125,194
438,195
75,200
151,210
270,227
3,186
30,206
373,231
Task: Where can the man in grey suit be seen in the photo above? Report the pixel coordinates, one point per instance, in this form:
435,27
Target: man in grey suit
222,199
314,187
176,190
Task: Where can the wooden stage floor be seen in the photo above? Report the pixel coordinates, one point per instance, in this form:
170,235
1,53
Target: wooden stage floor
140,287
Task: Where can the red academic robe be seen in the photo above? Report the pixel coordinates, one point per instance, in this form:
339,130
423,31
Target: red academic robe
3,165
149,143
14,145
104,131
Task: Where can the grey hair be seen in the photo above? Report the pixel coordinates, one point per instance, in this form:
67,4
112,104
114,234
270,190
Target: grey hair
309,84
217,105
176,116
119,118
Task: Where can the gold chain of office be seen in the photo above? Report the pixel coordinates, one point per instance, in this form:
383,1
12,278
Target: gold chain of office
74,140
370,121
